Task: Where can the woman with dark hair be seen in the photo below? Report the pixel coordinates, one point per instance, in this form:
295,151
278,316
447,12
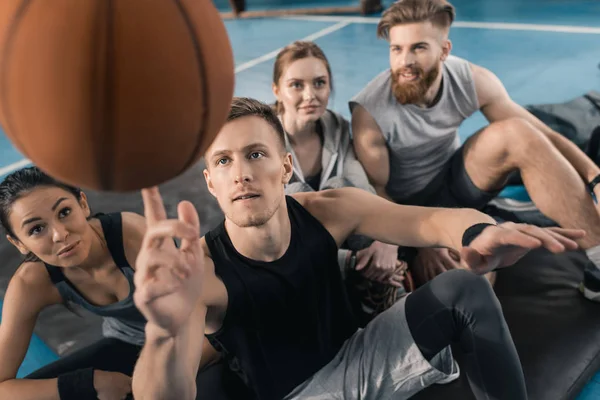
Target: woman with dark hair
71,257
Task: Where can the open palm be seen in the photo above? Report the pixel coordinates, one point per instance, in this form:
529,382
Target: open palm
168,279
505,244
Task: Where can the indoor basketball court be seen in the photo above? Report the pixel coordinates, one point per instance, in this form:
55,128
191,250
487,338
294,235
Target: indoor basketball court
544,51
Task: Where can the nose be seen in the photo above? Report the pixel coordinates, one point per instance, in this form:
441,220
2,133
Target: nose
59,233
242,172
405,59
309,93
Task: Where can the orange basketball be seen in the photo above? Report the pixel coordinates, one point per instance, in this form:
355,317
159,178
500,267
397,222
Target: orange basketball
113,94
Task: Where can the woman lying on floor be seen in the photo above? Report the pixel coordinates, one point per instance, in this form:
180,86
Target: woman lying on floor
71,257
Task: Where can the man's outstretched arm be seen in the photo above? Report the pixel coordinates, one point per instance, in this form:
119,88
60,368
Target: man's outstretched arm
169,293
353,211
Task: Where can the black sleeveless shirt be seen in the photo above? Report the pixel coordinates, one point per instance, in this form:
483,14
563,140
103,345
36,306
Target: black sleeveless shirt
288,318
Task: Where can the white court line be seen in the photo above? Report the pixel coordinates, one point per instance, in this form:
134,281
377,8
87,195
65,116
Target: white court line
345,21
459,24
273,54
242,67
14,166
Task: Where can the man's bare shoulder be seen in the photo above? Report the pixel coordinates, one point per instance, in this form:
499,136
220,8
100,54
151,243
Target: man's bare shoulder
304,198
480,72
317,202
336,209
488,86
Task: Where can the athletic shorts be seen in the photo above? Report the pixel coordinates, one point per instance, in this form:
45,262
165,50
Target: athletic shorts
453,188
380,362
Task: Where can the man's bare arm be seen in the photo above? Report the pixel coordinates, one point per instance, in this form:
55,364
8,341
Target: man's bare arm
175,291
496,105
167,366
371,150
350,211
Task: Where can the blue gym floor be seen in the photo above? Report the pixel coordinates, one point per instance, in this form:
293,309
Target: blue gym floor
544,51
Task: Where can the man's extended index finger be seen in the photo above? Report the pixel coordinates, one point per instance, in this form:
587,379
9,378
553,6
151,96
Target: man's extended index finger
154,208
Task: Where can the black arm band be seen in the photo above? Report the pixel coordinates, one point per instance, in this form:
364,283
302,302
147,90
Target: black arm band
77,385
473,231
592,185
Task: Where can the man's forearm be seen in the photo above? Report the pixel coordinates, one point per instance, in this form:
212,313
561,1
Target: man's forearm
162,371
401,225
451,224
381,192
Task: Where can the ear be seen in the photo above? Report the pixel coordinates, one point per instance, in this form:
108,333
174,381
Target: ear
288,168
446,48
15,242
83,202
275,90
209,183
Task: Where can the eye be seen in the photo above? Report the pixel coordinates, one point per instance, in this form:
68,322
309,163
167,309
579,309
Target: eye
36,230
296,85
65,212
320,83
256,154
221,161
420,47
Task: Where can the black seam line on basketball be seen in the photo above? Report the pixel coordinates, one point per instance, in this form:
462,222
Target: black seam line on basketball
108,152
203,81
100,101
96,127
9,40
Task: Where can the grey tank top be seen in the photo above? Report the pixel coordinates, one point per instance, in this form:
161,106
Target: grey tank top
122,320
420,140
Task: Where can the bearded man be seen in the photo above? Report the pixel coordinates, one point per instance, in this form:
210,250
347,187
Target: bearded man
405,129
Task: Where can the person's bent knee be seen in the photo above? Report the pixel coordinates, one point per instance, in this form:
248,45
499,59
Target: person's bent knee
517,133
465,287
476,295
462,277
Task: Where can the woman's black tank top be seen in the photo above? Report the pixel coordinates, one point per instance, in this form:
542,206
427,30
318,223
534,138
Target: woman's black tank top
122,320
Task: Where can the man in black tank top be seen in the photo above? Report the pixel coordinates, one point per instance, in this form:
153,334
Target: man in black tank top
265,289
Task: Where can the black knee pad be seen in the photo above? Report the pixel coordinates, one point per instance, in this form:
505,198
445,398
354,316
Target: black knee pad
465,287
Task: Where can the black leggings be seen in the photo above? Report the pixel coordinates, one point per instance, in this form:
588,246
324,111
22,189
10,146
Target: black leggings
459,307
107,355
214,382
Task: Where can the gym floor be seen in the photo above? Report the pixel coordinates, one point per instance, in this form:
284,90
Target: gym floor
545,51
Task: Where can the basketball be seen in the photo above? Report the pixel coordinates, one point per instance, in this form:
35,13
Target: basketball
113,95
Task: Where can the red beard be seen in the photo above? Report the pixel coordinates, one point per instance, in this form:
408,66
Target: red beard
413,92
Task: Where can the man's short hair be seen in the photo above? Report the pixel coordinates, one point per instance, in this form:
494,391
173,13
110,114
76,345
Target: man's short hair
246,106
439,12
